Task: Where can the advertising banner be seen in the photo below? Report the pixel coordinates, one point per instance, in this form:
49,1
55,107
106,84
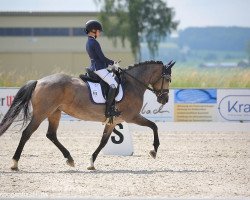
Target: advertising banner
6,97
155,111
195,105
234,105
185,105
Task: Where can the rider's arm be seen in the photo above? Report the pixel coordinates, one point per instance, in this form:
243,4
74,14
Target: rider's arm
100,54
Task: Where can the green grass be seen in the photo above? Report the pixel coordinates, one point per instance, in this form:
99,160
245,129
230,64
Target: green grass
195,77
16,77
183,76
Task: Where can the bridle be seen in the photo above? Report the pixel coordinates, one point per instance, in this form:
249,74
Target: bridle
164,76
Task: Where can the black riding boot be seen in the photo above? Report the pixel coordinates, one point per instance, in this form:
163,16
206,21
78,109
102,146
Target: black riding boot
110,105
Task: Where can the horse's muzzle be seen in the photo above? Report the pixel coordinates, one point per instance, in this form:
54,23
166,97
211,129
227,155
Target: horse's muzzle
163,98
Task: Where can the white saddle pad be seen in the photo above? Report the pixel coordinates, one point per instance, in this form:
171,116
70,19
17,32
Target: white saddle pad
97,96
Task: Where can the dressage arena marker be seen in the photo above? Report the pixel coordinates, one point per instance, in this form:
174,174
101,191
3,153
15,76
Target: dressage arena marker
120,144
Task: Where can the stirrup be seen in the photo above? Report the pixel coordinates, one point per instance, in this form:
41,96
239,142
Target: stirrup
112,114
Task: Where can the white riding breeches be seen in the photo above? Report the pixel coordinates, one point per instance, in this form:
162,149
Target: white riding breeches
108,77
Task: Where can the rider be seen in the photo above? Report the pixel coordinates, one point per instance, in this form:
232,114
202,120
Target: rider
99,64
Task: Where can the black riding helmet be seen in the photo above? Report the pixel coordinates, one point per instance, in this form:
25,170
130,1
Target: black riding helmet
92,24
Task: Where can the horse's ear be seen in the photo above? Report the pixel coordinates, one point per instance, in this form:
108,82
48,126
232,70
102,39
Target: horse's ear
170,64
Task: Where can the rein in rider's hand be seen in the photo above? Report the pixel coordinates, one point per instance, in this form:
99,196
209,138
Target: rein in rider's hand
115,66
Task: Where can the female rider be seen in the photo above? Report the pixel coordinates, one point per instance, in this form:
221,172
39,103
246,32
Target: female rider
99,64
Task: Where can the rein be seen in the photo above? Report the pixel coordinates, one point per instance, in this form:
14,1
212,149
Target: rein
123,71
157,92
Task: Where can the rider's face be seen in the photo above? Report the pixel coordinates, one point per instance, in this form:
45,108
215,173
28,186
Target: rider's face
98,33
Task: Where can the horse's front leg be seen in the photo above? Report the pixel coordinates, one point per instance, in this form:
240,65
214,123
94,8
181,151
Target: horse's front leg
142,121
105,137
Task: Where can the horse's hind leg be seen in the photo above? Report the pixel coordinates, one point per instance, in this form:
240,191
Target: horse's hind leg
31,128
105,137
51,134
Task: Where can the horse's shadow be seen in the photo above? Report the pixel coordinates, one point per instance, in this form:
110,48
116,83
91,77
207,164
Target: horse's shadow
146,172
143,172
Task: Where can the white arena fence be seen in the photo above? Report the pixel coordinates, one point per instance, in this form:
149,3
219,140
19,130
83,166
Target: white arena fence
185,105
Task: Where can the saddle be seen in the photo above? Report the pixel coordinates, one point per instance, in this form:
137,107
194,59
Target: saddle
96,84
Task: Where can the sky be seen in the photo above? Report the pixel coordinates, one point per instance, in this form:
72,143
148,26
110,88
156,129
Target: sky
190,13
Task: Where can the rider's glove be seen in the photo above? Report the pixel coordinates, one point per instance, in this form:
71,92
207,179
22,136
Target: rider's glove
115,66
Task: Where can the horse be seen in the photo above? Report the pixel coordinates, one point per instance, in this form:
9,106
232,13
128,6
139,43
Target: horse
57,93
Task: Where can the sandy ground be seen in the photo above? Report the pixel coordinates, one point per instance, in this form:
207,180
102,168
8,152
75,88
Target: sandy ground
190,164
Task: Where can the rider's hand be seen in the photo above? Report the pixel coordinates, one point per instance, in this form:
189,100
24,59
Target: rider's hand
116,65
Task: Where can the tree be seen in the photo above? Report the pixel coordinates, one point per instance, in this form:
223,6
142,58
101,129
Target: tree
137,20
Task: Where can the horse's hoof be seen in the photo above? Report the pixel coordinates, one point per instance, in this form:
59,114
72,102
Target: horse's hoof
70,162
152,153
91,168
14,168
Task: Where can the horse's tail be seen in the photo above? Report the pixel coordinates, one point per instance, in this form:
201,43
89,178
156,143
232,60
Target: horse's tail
20,102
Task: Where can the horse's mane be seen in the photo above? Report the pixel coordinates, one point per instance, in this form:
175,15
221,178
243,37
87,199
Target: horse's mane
143,63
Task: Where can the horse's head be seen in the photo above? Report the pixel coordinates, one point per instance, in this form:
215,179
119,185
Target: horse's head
153,73
161,86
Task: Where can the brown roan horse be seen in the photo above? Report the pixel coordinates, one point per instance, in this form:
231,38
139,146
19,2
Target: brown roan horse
53,94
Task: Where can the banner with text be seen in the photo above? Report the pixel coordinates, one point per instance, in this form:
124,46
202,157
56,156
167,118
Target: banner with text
195,105
155,111
185,105
6,97
233,105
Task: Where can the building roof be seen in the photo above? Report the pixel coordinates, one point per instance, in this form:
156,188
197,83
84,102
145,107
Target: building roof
46,13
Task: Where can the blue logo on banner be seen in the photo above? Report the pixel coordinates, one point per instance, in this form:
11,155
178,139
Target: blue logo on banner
195,96
235,108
